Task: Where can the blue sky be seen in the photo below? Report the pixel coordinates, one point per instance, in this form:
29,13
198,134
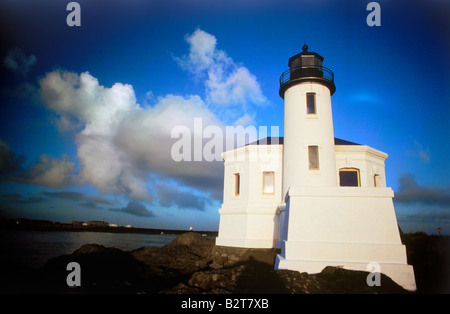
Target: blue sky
87,112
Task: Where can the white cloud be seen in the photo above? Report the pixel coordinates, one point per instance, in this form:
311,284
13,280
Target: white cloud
146,133
230,88
82,97
202,52
125,148
237,87
245,120
121,145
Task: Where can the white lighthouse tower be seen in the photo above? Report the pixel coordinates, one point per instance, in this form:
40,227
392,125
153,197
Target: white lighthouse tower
324,223
309,157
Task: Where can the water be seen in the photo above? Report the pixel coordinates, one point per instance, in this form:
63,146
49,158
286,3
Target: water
33,248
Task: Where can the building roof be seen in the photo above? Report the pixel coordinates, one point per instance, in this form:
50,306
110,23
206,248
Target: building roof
280,140
338,141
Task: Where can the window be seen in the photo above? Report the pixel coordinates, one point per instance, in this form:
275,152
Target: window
349,177
268,182
376,180
237,183
313,157
311,103
308,60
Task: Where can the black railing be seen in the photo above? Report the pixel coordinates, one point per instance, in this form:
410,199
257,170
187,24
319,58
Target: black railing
306,71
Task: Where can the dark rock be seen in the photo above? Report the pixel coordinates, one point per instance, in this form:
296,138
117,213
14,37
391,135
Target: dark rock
207,280
103,269
259,277
223,256
336,280
196,244
340,280
188,253
192,264
181,288
299,283
95,248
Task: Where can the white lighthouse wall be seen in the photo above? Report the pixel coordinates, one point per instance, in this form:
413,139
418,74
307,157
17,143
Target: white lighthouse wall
302,130
359,215
369,162
349,227
253,219
250,219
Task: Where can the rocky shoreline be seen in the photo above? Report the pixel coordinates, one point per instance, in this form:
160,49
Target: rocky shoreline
190,264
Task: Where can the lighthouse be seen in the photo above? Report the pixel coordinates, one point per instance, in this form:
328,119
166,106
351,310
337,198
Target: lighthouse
321,200
324,221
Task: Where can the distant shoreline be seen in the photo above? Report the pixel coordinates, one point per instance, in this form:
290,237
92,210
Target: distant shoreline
22,224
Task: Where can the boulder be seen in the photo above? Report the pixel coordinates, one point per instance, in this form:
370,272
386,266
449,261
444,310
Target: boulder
196,244
223,256
186,254
95,248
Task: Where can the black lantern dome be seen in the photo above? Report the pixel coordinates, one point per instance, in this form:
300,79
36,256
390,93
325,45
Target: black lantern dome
306,67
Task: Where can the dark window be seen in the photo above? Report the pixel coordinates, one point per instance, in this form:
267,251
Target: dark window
308,60
349,177
311,103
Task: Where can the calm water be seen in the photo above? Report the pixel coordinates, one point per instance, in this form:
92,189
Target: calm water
33,248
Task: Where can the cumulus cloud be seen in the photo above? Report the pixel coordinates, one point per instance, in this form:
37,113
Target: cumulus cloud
125,148
238,87
135,208
230,88
411,192
18,62
202,53
121,145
